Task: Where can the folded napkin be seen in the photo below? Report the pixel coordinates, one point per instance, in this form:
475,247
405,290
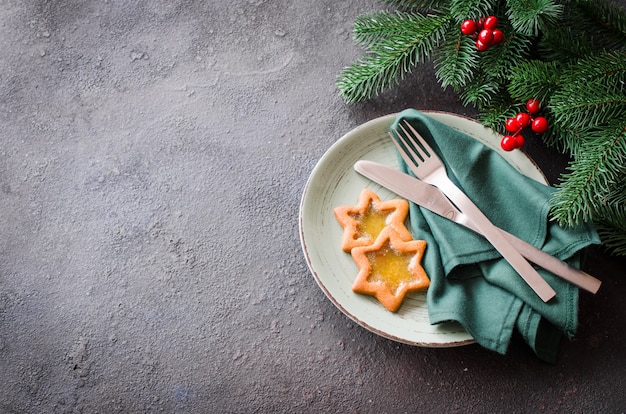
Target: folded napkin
470,282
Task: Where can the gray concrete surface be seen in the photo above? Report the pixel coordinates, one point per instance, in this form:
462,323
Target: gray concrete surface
153,155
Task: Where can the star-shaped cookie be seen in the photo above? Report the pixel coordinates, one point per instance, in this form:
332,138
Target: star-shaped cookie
364,222
390,268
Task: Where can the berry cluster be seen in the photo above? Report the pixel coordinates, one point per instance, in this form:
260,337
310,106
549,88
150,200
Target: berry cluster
488,35
516,124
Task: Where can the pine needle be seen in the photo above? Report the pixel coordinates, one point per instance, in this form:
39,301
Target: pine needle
397,43
602,24
593,91
530,17
533,79
497,61
479,92
456,62
611,227
598,169
471,9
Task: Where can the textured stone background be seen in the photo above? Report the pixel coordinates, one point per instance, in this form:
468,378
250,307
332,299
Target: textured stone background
153,156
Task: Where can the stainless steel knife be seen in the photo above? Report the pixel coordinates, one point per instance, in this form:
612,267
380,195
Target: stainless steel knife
434,200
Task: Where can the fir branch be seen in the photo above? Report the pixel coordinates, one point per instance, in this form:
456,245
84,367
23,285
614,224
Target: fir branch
599,167
610,221
582,105
530,17
456,61
500,109
372,28
479,92
394,53
608,67
487,82
614,196
604,24
611,227
497,61
496,65
563,45
562,137
574,94
534,79
471,9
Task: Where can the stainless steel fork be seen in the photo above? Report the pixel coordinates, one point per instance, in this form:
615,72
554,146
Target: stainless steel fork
427,166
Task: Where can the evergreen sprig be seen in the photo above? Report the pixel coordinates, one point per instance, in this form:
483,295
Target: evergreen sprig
470,9
611,228
529,17
584,93
602,25
562,44
479,92
534,79
599,170
456,61
408,40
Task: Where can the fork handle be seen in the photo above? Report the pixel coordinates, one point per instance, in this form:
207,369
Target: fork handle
494,236
553,264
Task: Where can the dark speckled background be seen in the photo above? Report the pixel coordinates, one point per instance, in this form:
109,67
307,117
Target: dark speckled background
152,159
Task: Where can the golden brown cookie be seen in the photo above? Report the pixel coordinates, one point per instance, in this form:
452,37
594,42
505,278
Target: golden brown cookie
363,223
390,268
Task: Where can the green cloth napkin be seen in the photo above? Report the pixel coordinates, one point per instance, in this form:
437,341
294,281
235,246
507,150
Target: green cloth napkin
470,282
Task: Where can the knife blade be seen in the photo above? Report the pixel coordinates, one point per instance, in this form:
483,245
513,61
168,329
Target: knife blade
433,199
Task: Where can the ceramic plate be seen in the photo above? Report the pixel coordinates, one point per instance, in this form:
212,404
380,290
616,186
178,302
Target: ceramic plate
333,182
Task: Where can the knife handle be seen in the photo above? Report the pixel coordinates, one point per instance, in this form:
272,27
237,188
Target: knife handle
539,257
553,264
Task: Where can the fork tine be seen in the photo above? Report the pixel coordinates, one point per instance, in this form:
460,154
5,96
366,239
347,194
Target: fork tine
412,146
407,146
402,151
418,140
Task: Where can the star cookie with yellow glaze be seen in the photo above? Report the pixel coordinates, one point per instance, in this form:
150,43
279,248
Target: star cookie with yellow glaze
364,222
390,268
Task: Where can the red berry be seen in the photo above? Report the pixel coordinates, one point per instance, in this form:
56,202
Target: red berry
512,125
469,27
540,125
533,106
524,119
519,140
490,23
498,37
481,46
481,23
486,36
508,143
